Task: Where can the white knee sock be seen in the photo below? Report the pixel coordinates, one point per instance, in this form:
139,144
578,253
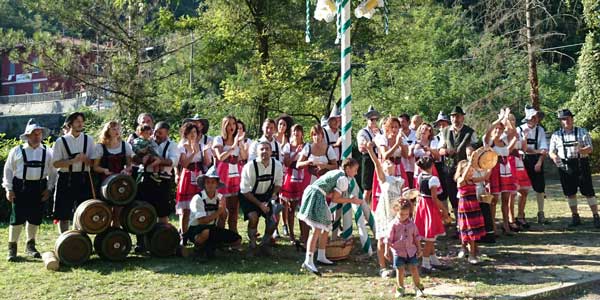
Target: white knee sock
540,201
14,231
426,263
572,201
592,201
434,260
309,258
322,257
31,231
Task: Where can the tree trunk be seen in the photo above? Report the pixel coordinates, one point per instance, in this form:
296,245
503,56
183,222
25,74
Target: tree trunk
534,93
262,40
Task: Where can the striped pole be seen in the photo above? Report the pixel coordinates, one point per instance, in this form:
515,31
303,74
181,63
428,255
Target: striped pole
345,23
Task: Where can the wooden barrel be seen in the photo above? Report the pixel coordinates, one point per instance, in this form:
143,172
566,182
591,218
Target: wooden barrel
92,216
138,217
484,158
114,244
162,240
119,189
73,248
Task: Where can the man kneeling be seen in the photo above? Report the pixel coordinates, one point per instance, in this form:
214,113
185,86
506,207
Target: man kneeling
205,209
259,187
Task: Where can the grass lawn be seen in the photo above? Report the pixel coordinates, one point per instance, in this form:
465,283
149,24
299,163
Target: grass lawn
515,264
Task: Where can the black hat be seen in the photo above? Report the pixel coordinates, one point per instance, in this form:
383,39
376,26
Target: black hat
70,118
564,113
372,113
197,118
457,111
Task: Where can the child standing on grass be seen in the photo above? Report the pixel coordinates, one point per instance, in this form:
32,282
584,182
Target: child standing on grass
404,242
470,219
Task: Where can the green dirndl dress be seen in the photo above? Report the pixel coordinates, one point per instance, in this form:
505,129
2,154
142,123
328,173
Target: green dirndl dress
314,210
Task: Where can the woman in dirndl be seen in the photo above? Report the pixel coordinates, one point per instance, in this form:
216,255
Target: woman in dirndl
194,160
314,210
231,152
114,157
522,180
391,146
317,157
426,145
502,182
295,182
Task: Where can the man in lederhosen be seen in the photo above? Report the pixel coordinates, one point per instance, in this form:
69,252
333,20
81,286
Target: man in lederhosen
537,149
72,154
333,133
259,187
440,123
158,192
268,129
570,148
365,135
457,142
28,178
410,137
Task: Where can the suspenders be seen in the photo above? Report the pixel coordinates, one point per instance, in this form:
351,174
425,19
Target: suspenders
275,153
72,155
265,177
326,152
533,141
33,163
105,154
568,144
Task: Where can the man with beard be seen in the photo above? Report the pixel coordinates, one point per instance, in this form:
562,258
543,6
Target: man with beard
73,154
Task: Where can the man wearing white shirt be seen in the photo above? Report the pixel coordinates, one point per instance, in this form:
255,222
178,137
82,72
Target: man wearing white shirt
410,137
537,149
365,135
268,129
28,178
261,181
72,156
333,133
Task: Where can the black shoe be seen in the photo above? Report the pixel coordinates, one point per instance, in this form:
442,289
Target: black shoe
12,252
541,218
299,246
575,221
31,251
522,223
596,221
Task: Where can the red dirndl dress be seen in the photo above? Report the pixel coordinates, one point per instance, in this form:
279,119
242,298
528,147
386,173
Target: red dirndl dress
501,178
471,224
434,172
398,171
427,214
230,172
187,186
522,180
295,182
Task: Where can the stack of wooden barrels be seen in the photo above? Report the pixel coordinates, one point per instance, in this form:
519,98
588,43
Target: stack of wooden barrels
113,243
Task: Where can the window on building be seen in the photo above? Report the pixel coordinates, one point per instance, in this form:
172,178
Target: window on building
36,88
11,90
35,63
11,70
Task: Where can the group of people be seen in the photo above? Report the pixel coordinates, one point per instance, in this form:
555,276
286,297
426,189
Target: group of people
284,175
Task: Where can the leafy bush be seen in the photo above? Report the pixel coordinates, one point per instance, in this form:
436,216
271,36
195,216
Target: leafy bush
5,145
595,157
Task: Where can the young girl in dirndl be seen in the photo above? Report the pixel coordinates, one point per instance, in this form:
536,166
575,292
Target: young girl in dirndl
429,213
230,152
295,182
192,165
470,221
391,192
523,182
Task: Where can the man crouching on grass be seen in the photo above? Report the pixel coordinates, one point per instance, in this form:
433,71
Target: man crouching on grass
205,209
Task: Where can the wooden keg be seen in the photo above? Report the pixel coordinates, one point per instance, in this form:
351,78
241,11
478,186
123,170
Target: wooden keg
92,216
114,244
73,248
162,240
484,158
138,217
119,189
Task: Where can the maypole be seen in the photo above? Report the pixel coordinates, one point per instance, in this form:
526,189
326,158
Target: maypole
324,11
